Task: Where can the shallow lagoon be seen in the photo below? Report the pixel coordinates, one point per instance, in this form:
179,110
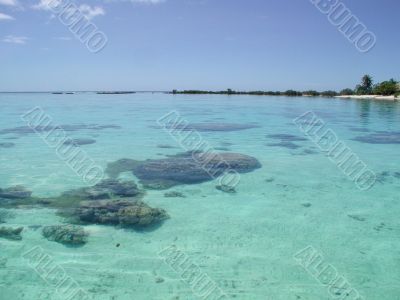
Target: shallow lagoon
244,241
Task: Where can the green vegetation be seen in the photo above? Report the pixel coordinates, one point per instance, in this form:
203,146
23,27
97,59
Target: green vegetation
292,93
311,93
366,87
386,88
329,94
346,92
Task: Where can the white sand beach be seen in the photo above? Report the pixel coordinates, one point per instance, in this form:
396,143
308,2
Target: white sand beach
369,97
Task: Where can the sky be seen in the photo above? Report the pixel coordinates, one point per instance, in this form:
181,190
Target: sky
194,44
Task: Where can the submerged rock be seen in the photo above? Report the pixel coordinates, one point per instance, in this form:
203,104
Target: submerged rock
174,194
288,145
106,189
158,185
162,146
357,217
15,192
11,233
270,179
7,145
114,169
226,189
184,168
309,152
287,137
118,212
65,234
380,137
79,142
286,140
191,168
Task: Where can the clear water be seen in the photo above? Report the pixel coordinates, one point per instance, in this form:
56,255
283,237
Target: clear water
244,242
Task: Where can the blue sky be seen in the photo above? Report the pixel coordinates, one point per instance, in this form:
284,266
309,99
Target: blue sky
199,44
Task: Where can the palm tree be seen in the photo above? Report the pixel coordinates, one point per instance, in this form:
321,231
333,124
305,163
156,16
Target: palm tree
367,82
366,85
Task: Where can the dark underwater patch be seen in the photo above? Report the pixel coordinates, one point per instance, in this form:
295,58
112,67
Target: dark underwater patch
287,137
288,145
387,177
286,140
7,145
110,202
15,192
11,233
307,152
380,137
23,130
79,142
163,146
69,235
106,189
123,213
184,168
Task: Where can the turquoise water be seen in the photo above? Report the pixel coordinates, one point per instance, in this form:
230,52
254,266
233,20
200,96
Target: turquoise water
245,242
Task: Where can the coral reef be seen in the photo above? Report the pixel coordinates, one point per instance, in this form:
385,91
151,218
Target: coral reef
11,233
119,212
106,189
184,168
114,169
66,234
15,192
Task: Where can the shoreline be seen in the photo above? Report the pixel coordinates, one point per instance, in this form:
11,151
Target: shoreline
369,97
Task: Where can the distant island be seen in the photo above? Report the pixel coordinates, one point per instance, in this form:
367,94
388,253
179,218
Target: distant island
386,90
116,93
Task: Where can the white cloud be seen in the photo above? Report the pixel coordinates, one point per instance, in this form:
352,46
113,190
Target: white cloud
4,17
46,4
91,12
9,2
88,11
15,39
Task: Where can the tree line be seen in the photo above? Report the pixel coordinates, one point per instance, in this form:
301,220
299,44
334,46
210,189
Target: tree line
366,87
